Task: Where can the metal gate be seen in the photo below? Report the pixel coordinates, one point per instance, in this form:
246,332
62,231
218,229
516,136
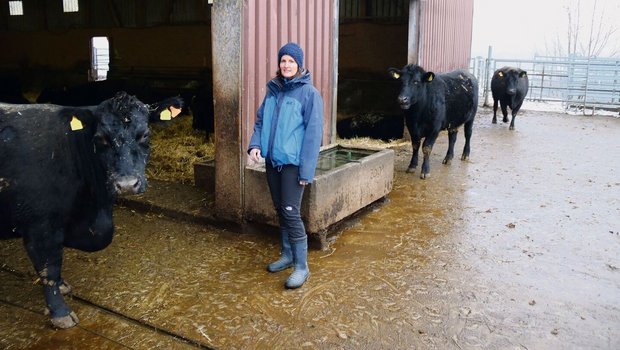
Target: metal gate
578,83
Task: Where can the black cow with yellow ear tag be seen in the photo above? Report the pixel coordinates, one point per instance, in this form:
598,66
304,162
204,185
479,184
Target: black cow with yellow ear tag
61,169
509,87
434,102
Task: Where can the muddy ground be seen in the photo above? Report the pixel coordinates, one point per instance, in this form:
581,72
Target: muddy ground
517,248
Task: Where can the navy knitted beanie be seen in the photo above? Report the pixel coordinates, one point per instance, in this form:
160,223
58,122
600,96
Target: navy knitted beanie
293,50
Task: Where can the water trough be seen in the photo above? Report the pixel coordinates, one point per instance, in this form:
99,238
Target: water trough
346,180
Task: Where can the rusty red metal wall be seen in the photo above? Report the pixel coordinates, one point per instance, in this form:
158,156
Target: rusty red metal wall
445,30
269,24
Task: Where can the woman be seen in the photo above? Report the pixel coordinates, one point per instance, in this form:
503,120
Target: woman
287,133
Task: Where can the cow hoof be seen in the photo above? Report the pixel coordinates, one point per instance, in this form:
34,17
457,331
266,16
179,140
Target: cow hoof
511,128
505,120
410,170
447,161
65,322
424,176
464,157
65,288
494,121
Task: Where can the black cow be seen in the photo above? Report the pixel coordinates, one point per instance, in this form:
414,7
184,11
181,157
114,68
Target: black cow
61,169
373,125
202,109
434,102
95,92
11,90
509,86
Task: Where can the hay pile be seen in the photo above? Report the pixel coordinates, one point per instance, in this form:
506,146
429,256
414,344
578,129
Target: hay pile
175,148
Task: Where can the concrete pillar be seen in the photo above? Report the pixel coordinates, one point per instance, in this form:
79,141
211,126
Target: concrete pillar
226,29
413,40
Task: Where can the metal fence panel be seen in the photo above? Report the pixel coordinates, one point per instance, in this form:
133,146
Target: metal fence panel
576,82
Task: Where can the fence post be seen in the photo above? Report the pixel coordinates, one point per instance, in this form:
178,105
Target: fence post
585,93
486,77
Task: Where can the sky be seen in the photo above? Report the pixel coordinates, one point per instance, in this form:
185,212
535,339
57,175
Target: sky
521,29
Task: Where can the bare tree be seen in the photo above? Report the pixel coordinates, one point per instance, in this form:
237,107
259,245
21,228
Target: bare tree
574,27
599,35
595,40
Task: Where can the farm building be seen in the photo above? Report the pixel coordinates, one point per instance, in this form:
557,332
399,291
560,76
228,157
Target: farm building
176,46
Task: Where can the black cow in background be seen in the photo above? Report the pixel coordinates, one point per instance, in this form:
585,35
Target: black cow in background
434,102
94,92
199,97
509,86
202,109
374,125
11,90
61,169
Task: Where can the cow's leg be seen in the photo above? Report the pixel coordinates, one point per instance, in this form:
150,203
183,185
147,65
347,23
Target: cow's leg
468,130
427,147
504,111
452,134
45,249
512,121
415,146
514,115
495,111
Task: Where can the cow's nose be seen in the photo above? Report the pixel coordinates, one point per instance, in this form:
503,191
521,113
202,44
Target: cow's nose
403,99
127,184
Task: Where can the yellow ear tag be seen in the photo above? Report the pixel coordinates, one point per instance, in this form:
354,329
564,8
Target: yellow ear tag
500,74
430,77
165,115
76,124
395,75
174,111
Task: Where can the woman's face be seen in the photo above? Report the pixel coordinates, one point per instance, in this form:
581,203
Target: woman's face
288,66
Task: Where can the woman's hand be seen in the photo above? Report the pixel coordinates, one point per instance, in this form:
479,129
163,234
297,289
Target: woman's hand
255,155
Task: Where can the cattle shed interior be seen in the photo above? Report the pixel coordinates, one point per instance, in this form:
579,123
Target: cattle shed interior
166,45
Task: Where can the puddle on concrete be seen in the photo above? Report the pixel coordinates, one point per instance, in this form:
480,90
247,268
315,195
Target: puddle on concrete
516,248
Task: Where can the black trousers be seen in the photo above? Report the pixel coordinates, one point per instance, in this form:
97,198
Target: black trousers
286,194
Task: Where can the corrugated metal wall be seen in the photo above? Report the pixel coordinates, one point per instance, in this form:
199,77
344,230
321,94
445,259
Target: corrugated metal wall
268,25
445,30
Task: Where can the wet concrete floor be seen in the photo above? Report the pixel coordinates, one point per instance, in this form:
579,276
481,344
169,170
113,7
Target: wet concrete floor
517,248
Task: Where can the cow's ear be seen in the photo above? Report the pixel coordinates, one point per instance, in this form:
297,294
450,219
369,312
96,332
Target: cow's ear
523,74
394,73
169,113
429,76
501,74
78,118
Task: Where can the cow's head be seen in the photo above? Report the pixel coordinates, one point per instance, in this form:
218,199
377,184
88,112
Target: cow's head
121,138
414,81
509,77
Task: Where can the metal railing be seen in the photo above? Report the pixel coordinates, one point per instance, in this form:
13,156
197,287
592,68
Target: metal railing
578,83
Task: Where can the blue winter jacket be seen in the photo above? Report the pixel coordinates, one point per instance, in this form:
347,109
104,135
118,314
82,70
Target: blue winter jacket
289,124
